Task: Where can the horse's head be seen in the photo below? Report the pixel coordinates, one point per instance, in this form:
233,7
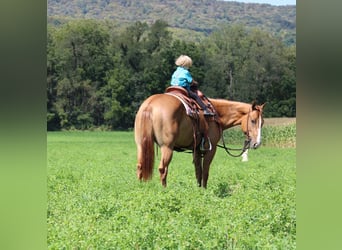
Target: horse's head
252,124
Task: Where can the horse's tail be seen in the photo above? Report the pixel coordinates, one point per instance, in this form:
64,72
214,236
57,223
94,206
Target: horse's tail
145,144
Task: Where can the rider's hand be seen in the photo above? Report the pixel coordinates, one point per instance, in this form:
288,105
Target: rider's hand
194,83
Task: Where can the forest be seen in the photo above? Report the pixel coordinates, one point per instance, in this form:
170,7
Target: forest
200,17
99,74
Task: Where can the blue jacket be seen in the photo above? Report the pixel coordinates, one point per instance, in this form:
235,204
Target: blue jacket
181,77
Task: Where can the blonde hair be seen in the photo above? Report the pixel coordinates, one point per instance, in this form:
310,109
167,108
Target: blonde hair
184,61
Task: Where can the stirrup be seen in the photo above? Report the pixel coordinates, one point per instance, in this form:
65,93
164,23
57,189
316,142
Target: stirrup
202,145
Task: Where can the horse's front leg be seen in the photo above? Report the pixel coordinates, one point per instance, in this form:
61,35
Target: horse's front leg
198,166
166,156
207,159
245,155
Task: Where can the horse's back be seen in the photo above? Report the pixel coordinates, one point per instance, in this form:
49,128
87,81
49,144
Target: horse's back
161,104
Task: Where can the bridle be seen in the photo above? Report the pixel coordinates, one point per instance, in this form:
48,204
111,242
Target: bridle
245,146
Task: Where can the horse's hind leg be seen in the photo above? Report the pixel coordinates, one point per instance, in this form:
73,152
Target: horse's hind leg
166,156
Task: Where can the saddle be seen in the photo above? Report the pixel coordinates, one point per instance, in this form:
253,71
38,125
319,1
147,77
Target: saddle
193,110
191,106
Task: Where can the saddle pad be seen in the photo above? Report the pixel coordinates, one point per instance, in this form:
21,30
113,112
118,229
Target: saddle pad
189,111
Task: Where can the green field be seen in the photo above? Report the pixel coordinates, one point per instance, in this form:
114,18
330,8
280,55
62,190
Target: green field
96,202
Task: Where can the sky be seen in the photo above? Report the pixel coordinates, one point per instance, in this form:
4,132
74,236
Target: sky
273,2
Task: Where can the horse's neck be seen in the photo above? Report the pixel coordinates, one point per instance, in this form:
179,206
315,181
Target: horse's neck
230,113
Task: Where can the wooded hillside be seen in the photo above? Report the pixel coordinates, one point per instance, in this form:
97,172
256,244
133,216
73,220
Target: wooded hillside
203,16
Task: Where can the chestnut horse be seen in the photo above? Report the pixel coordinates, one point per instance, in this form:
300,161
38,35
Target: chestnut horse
162,119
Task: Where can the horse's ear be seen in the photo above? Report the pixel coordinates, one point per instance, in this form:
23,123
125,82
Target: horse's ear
254,105
257,107
262,105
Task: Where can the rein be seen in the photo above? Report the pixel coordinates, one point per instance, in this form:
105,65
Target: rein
245,146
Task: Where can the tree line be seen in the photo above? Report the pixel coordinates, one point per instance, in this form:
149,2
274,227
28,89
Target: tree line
98,75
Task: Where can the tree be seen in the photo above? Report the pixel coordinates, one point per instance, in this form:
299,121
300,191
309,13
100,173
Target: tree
80,60
227,55
158,36
53,122
247,65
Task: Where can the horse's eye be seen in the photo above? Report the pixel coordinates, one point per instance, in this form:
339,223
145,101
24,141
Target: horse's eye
253,121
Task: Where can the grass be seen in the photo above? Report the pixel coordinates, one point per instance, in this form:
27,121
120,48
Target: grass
96,202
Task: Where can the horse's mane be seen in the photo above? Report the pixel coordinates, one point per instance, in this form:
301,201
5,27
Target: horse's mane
223,103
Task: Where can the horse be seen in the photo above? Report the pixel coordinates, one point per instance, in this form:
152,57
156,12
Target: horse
162,119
